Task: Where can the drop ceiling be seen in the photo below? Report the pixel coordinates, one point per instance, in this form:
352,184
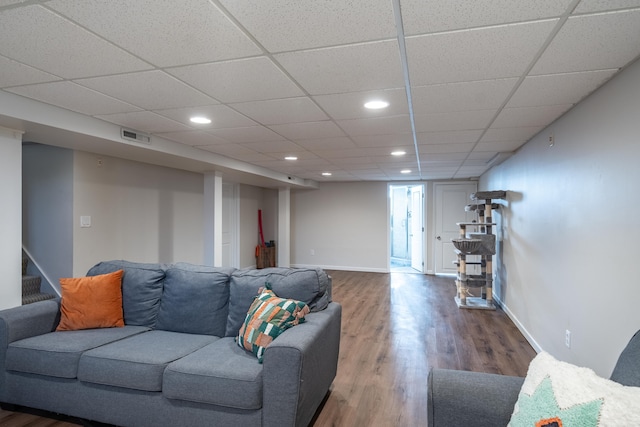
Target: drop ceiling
468,82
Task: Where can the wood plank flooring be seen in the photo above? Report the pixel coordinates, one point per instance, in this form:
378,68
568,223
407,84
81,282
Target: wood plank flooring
395,327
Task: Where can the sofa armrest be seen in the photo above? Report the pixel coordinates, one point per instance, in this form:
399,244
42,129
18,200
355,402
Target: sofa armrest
23,322
462,398
299,367
28,321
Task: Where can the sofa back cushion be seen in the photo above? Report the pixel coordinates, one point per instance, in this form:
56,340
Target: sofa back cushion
195,299
141,289
627,369
309,285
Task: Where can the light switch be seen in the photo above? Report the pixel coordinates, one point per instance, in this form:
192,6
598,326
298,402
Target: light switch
85,221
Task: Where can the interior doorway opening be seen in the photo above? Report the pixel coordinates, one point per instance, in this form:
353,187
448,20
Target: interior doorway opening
406,210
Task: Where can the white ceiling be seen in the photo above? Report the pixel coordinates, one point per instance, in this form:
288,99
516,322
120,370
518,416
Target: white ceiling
290,77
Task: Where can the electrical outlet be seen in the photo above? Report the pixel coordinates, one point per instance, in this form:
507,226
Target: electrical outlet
312,252
567,338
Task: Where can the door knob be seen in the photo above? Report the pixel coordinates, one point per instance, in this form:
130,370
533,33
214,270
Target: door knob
438,237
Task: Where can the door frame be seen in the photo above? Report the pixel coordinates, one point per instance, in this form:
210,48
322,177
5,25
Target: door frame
424,220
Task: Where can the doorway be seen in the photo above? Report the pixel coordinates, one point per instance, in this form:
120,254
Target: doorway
406,208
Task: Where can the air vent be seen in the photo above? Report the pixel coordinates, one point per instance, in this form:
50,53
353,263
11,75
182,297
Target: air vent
134,135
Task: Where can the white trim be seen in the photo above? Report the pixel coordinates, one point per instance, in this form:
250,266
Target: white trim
518,324
342,267
41,271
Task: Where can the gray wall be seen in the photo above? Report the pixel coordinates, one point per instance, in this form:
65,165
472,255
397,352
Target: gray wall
47,210
568,258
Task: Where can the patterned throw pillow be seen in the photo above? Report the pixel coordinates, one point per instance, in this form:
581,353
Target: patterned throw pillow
558,394
268,317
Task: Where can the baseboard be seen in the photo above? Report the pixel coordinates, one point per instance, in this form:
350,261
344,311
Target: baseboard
342,267
519,325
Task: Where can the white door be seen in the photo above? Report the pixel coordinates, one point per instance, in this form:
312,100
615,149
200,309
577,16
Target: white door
417,228
450,202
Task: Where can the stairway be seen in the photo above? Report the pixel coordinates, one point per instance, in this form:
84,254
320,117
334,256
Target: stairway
31,286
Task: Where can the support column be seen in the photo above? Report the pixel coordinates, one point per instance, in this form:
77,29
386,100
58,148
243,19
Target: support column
284,227
212,219
11,218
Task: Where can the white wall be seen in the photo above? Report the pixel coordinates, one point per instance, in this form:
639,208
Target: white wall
139,212
10,218
345,224
568,259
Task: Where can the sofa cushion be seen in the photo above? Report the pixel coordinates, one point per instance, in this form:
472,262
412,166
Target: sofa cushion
138,362
141,289
57,354
195,299
219,374
91,302
268,317
558,393
309,285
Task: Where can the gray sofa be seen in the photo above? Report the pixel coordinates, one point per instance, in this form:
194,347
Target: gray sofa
474,399
176,362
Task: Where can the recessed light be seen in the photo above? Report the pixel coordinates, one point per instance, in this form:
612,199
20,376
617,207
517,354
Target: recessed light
326,173
376,104
398,153
405,171
200,120
291,158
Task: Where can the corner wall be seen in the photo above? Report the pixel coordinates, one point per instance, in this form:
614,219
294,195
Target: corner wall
568,259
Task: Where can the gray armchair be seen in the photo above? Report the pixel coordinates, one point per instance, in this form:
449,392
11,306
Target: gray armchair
474,399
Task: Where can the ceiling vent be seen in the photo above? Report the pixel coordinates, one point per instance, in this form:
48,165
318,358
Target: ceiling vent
134,135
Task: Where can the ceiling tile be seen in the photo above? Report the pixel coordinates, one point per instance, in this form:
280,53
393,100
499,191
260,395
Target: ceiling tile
427,149
144,121
448,137
37,37
281,111
376,126
350,105
529,116
592,42
194,138
148,89
221,116
383,140
478,95
161,33
428,16
335,143
274,147
283,25
461,120
557,89
586,6
74,97
309,130
479,54
15,74
246,134
252,79
343,69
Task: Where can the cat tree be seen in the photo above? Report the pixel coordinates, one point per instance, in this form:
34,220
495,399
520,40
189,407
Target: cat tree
477,239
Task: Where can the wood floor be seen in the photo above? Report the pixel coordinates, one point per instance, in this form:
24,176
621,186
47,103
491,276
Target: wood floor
395,327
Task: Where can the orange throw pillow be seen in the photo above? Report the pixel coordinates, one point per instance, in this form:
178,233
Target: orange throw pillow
91,302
